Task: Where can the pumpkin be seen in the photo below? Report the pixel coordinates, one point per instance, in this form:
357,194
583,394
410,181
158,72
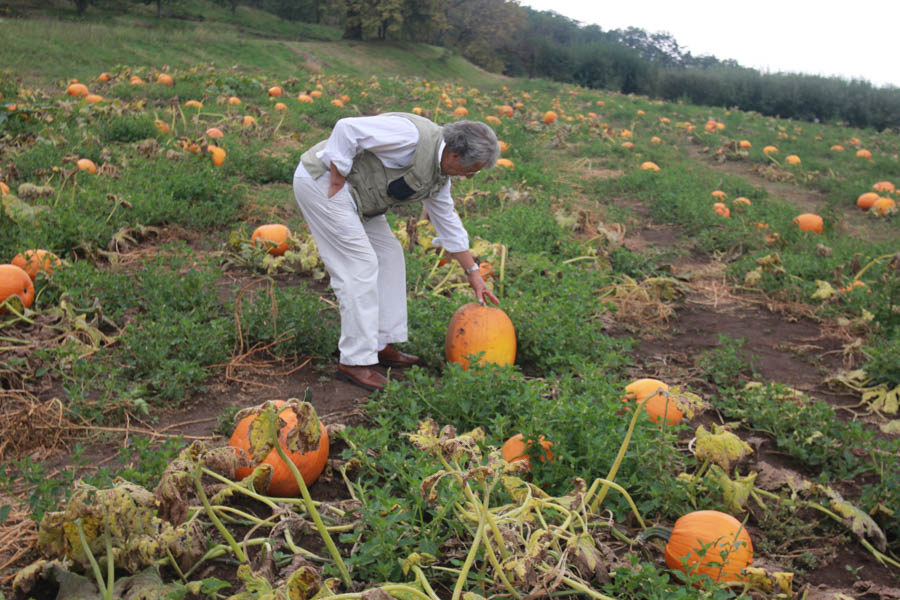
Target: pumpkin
103,77
161,126
4,189
217,155
505,111
809,222
345,98
884,205
505,163
719,194
770,150
837,148
492,120
308,99
649,166
282,484
280,106
275,236
15,281
316,93
503,146
721,210
214,132
93,98
863,153
460,111
77,89
792,159
337,102
165,79
275,91
884,186
722,533
516,448
135,80
234,100
248,121
417,110
865,201
35,261
741,202
550,116
193,104
86,164
745,144
658,406
640,112
655,140
628,145
475,328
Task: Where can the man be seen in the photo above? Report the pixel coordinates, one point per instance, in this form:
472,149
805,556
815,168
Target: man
345,184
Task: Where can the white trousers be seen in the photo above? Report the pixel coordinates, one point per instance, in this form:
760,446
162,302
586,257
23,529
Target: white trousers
367,268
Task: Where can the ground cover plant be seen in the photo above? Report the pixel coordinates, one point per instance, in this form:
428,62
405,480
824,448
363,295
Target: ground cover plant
627,239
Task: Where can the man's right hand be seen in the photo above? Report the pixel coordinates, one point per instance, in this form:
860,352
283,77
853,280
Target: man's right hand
337,181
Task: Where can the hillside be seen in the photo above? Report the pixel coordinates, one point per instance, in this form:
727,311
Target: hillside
627,239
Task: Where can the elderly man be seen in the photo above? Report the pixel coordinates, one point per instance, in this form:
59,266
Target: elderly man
345,184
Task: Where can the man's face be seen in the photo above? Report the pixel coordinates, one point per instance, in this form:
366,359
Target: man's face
451,166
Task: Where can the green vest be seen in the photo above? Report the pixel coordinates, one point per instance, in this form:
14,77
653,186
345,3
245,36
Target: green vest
375,187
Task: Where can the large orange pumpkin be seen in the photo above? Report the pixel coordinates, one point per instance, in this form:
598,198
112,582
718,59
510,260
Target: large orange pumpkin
515,448
883,205
310,464
658,406
77,89
865,201
276,236
809,222
476,328
722,533
15,281
550,116
35,261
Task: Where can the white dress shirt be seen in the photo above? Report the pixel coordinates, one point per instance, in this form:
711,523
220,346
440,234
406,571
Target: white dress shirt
393,140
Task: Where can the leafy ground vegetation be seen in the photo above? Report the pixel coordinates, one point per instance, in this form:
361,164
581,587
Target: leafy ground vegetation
605,244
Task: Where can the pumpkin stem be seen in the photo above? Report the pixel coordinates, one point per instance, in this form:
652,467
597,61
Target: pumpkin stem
90,555
198,485
308,501
657,531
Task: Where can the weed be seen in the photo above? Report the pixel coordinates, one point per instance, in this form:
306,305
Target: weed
726,364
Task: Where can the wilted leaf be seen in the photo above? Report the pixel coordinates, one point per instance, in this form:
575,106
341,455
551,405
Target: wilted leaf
721,447
824,290
735,492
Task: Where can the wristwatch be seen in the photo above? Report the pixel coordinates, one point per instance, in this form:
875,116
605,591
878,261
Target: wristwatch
471,269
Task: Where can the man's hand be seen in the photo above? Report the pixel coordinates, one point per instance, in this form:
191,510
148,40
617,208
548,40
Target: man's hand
337,181
482,293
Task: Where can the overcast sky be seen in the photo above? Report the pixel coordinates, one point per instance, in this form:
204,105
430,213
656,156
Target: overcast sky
857,40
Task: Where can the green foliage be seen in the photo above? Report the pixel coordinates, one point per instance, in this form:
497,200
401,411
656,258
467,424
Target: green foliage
726,364
883,360
128,129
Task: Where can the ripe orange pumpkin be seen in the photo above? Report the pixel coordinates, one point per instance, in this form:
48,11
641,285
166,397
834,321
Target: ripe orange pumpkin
505,163
503,146
658,406
649,166
214,132
310,464
865,201
461,111
884,186
308,99
35,261
248,121
165,79
809,222
275,91
884,205
217,155
15,281
103,77
515,448
704,527
741,202
77,89
193,104
792,159
280,106
4,189
550,117
863,153
476,328
86,164
770,150
234,100
505,111
161,126
276,236
721,210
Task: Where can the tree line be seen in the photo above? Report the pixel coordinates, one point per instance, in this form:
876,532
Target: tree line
504,37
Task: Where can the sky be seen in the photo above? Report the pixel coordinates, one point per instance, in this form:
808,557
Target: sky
855,41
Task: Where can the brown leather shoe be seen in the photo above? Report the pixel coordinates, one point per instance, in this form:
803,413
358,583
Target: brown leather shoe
363,376
391,357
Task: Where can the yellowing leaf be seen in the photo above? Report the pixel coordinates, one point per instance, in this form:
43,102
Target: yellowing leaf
720,447
735,492
824,291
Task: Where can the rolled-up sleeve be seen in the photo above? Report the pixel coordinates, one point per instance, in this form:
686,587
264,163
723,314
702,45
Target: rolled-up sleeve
451,235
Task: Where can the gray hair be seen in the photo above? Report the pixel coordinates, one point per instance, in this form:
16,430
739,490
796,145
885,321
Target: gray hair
474,141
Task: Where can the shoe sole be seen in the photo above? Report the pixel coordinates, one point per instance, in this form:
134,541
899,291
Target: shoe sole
396,365
344,377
